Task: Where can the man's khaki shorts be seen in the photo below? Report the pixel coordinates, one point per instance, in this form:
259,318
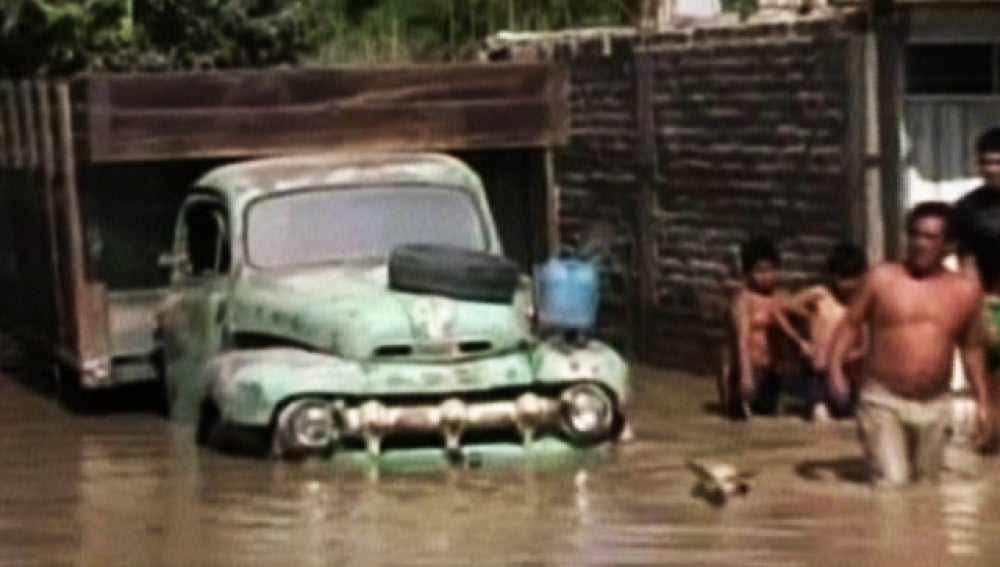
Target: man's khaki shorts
904,439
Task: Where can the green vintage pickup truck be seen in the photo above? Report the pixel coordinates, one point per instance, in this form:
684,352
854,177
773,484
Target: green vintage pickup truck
341,302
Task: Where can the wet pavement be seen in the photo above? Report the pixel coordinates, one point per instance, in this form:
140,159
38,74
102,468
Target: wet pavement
128,488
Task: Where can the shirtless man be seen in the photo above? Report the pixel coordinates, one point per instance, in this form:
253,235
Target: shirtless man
749,381
917,312
823,306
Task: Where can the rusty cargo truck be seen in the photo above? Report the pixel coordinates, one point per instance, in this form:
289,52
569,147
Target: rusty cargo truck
94,170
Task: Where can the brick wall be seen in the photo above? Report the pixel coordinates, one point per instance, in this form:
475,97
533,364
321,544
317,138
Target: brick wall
596,172
752,138
748,133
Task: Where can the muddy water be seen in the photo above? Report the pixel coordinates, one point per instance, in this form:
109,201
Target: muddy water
130,489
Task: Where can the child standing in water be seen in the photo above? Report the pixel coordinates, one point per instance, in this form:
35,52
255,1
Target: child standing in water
749,381
823,307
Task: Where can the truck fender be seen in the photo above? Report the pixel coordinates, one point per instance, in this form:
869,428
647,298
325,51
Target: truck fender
248,385
557,362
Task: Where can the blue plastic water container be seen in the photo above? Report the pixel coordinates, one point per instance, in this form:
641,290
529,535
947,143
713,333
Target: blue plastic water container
567,294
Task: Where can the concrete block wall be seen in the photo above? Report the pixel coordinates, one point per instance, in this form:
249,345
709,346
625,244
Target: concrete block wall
752,138
596,173
747,134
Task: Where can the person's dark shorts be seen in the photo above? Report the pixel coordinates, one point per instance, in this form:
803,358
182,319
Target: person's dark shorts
993,320
766,397
814,388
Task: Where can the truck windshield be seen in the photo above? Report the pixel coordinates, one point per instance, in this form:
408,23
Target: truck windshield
337,224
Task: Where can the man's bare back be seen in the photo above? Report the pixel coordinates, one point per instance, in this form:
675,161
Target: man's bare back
822,311
915,324
827,313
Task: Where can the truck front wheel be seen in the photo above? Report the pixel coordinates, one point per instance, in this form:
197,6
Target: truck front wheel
208,421
70,391
164,397
210,431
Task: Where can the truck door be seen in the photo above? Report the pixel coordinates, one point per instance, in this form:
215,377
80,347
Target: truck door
195,308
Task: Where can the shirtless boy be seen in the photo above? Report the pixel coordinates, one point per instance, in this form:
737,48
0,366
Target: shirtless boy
749,381
823,306
917,312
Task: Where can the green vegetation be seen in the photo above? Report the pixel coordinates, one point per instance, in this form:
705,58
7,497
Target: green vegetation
46,37
57,37
379,30
43,37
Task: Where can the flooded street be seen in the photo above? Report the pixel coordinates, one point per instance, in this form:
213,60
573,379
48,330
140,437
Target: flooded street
128,488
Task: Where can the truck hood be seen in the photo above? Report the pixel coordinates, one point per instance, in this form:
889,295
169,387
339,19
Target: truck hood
349,311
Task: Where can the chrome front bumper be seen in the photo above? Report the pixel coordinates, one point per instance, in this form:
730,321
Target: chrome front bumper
373,421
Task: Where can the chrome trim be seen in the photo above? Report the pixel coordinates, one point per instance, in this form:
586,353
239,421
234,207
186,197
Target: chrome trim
288,440
603,427
372,421
96,373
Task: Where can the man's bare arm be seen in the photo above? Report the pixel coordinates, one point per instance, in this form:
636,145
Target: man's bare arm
740,314
787,328
846,333
800,303
860,345
973,349
974,358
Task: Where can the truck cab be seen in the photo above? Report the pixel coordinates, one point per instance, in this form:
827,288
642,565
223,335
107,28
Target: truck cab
331,302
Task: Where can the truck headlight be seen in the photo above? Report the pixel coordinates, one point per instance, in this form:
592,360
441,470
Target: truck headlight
588,413
308,425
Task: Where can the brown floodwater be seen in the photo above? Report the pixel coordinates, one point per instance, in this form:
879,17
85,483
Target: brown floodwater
128,488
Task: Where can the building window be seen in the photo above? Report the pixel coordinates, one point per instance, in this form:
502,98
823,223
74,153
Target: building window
958,68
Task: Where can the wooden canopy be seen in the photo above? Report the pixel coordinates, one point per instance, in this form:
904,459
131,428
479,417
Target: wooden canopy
138,117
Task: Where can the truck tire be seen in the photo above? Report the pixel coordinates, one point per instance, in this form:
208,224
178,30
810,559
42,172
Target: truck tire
13,354
208,422
70,391
210,432
163,399
452,272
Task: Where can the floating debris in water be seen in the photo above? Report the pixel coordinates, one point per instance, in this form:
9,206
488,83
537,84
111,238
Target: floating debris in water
718,481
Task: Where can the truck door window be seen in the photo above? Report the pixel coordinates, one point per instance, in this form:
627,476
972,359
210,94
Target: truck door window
207,239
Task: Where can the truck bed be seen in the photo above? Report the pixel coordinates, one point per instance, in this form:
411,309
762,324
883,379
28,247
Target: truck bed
132,327
94,167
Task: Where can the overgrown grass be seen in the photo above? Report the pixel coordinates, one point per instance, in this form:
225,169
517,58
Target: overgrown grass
441,30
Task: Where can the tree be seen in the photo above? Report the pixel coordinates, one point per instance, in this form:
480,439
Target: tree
228,33
58,37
